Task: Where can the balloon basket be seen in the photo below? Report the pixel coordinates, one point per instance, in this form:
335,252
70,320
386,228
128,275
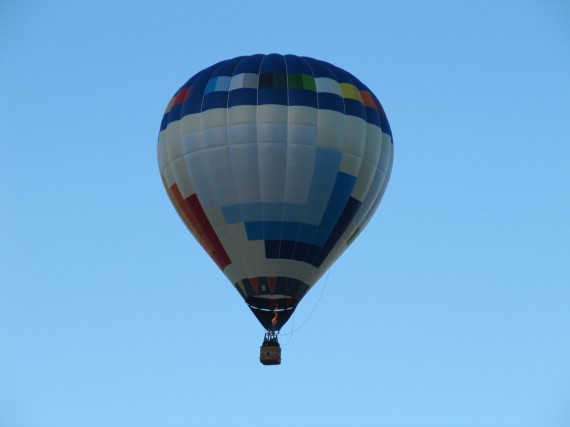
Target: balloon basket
270,350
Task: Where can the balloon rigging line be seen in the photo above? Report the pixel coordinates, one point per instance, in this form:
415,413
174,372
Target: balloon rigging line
293,330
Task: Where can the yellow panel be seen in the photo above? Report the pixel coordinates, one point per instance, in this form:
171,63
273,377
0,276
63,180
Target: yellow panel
350,91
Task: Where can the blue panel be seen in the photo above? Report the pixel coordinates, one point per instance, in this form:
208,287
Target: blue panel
174,114
273,63
293,212
272,249
385,125
339,198
164,122
286,248
254,230
342,76
373,117
271,211
297,65
321,68
330,101
302,97
344,221
313,254
193,102
272,96
306,233
327,163
220,83
354,108
215,100
211,86
226,68
290,231
249,64
232,214
271,230
242,96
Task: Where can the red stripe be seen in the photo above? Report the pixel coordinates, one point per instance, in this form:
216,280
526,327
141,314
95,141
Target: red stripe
219,255
272,281
179,99
207,237
254,284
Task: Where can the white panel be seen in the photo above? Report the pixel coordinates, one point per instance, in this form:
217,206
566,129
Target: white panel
302,134
192,142
180,175
191,123
243,158
301,115
331,129
272,168
168,175
242,134
373,143
354,136
162,151
221,176
242,114
365,178
325,84
215,137
215,117
272,113
216,218
299,173
350,164
173,146
244,80
272,133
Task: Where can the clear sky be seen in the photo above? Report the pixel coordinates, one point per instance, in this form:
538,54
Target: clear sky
452,309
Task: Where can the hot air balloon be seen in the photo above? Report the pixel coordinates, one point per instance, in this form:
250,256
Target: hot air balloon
275,163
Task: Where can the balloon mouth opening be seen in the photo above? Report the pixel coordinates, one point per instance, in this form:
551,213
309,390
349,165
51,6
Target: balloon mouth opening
272,313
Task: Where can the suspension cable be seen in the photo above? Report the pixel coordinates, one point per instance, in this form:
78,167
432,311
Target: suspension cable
293,330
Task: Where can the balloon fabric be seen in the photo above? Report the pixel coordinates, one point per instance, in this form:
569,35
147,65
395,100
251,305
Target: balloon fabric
275,163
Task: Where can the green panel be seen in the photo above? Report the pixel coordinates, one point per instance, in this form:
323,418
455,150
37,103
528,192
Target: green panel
302,81
309,82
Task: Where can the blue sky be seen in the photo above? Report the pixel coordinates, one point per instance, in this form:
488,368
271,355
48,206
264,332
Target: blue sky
451,309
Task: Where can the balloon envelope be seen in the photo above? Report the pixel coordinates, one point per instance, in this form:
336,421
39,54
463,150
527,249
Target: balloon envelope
275,164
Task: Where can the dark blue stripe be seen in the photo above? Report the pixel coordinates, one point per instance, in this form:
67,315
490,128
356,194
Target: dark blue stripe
385,125
330,101
308,253
354,108
215,100
283,286
174,114
273,63
227,68
243,96
249,64
303,97
164,122
193,103
272,95
373,117
297,65
321,68
278,65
